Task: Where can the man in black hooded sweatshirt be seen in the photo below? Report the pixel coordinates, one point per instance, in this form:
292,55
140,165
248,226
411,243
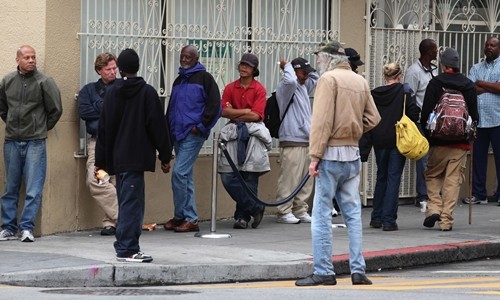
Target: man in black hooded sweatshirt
132,127
446,164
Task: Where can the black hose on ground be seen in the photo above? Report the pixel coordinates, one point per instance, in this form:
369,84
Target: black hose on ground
247,189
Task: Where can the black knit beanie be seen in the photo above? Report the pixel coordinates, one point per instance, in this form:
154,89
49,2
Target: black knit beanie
128,61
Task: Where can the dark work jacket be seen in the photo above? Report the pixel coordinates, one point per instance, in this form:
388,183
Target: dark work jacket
90,104
132,127
454,81
389,101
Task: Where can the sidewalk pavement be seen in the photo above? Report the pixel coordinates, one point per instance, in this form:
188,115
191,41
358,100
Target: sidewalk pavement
271,252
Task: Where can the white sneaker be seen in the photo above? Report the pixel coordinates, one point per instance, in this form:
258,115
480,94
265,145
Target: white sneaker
27,236
288,218
7,235
138,257
304,218
335,213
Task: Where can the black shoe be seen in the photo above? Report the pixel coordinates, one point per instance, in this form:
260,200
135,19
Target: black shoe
431,220
240,224
108,230
375,224
317,280
358,279
393,227
257,218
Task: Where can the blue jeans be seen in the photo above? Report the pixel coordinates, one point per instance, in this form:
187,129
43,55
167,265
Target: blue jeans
421,164
390,165
186,152
246,207
339,180
485,136
24,160
130,192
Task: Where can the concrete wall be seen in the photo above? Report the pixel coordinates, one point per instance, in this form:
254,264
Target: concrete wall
352,25
52,27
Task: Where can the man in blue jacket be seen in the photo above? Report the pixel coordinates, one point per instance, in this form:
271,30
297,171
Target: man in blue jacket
193,109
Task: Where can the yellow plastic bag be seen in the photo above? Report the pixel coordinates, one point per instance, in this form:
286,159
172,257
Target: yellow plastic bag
409,141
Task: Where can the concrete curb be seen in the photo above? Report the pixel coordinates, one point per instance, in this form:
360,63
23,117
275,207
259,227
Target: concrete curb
105,275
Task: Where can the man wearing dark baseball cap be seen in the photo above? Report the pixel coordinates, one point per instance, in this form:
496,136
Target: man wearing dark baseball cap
354,59
303,64
298,82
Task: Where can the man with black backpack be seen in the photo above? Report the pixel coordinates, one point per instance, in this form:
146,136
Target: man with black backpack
298,81
447,154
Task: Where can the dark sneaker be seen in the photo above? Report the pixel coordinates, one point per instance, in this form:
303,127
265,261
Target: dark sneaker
172,223
138,257
7,235
431,220
474,200
257,218
359,279
240,224
314,279
187,226
108,230
393,227
375,224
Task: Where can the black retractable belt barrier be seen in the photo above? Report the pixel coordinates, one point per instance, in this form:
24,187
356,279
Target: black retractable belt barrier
247,189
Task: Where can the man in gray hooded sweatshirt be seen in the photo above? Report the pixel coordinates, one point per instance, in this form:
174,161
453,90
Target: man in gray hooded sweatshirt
298,82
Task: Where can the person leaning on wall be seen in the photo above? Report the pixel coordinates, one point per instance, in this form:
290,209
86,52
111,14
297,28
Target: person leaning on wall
90,100
30,106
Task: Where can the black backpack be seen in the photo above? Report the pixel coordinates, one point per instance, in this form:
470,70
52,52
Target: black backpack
272,115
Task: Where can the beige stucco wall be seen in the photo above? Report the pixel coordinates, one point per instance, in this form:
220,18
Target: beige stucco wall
352,25
67,206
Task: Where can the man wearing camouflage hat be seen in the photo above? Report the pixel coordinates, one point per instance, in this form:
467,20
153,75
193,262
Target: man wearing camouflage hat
343,110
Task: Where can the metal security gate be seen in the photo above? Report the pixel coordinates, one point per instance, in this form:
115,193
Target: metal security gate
394,31
222,29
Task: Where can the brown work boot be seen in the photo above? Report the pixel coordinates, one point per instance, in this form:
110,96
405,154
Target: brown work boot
187,226
172,223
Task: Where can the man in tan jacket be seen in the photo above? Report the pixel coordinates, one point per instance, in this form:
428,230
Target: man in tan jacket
343,110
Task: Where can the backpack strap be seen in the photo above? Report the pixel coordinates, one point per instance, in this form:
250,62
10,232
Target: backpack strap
287,107
406,91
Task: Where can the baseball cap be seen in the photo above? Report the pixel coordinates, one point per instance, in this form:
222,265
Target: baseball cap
302,63
354,57
250,59
332,47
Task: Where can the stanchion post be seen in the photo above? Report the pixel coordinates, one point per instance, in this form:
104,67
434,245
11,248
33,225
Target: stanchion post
213,217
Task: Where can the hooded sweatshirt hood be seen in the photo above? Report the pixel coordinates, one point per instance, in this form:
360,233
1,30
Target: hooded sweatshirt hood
389,100
188,72
452,81
128,87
